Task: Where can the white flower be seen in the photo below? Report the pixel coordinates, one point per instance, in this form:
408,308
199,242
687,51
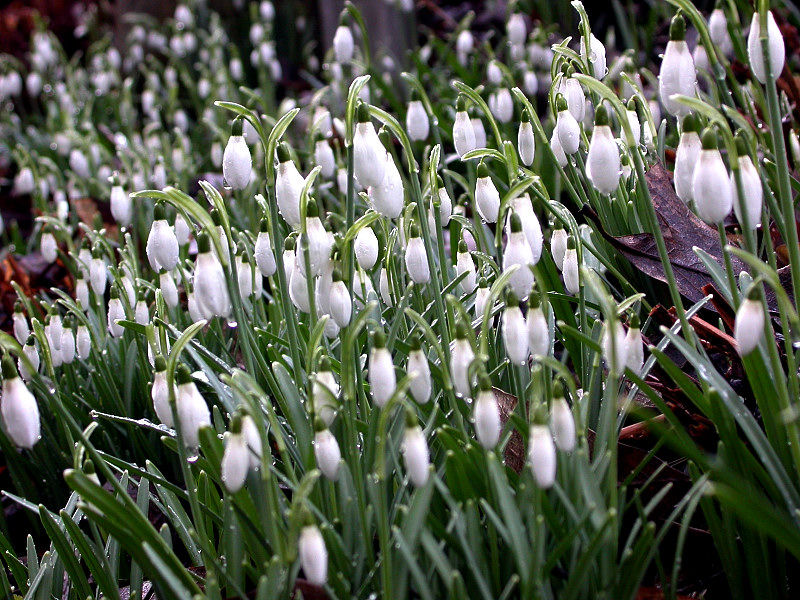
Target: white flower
192,410
382,379
237,164
318,242
597,55
753,193
387,198
502,105
558,245
417,122
558,151
515,334
162,244
19,408
493,73
159,393
98,274
210,286
369,155
576,99
83,341
518,252
141,313
562,422
327,454
298,287
537,328
542,456
711,186
121,206
749,327
460,359
24,182
53,330
416,455
526,144
419,371
777,51
343,44
567,128
463,131
686,157
366,248
313,555
481,297
340,303
289,185
322,292
615,348
635,124
79,164
718,30
516,29
253,438
116,312
168,289
323,156
570,270
324,392
248,282
530,83
67,344
384,287
522,206
633,346
464,45
677,75
487,416
29,350
416,258
265,258
21,329
445,204
487,197
465,264
603,162
235,461
480,132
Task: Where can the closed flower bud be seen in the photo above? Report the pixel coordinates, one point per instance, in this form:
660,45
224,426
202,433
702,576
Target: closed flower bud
366,248
53,330
67,344
518,252
522,206
168,288
464,45
298,287
210,286
235,461
749,211
318,242
525,142
487,416
313,555
340,303
49,247
159,393
98,274
265,258
19,408
385,290
387,198
369,155
445,204
465,264
711,187
83,341
162,244
573,94
289,185
515,335
343,44
530,83
253,439
516,29
615,349
633,345
502,105
382,379
677,74
567,128
30,352
21,329
480,132
327,453
597,56
542,456
686,157
141,313
718,30
463,132
323,156
777,51
635,124
460,360
537,328
249,280
749,327
121,206
324,392
416,258
487,197
419,371
481,297
237,164
192,410
116,312
416,455
558,245
570,271
562,423
417,122
558,151
603,162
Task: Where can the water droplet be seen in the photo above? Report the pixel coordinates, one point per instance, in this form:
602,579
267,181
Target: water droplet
232,324
225,184
192,460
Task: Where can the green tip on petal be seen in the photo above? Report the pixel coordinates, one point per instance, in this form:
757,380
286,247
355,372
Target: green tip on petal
677,29
378,339
312,210
511,299
203,243
289,243
414,342
558,389
526,116
741,146
691,123
237,127
284,155
516,223
571,242
159,212
411,419
484,383
483,170
183,375
462,247
161,364
601,116
753,292
263,226
362,113
634,322
9,370
461,103
534,301
561,103
414,231
461,330
709,139
324,365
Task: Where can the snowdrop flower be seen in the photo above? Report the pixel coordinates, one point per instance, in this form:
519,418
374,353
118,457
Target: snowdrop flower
384,287
711,188
633,345
340,303
79,163
417,122
387,198
192,410
366,248
24,182
324,391
237,164
81,291
522,206
464,45
538,330
615,349
718,30
83,342
558,151
313,555
21,328
567,128
141,312
463,132
19,408
777,51
265,258
562,423
326,451
573,94
30,352
343,44
518,252
67,342
481,297
168,288
323,156
445,203
415,451
525,142
419,371
48,246
677,75
748,329
558,244
369,155
493,73
530,83
502,105
603,162
460,359
487,197
635,124
597,55
121,205
542,456
465,264
253,439
298,286
748,213
159,393
249,283
516,29
416,258
480,132
486,415
317,241
382,379
162,244
54,329
570,268
686,158
289,185
210,286
515,334
236,458
116,312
